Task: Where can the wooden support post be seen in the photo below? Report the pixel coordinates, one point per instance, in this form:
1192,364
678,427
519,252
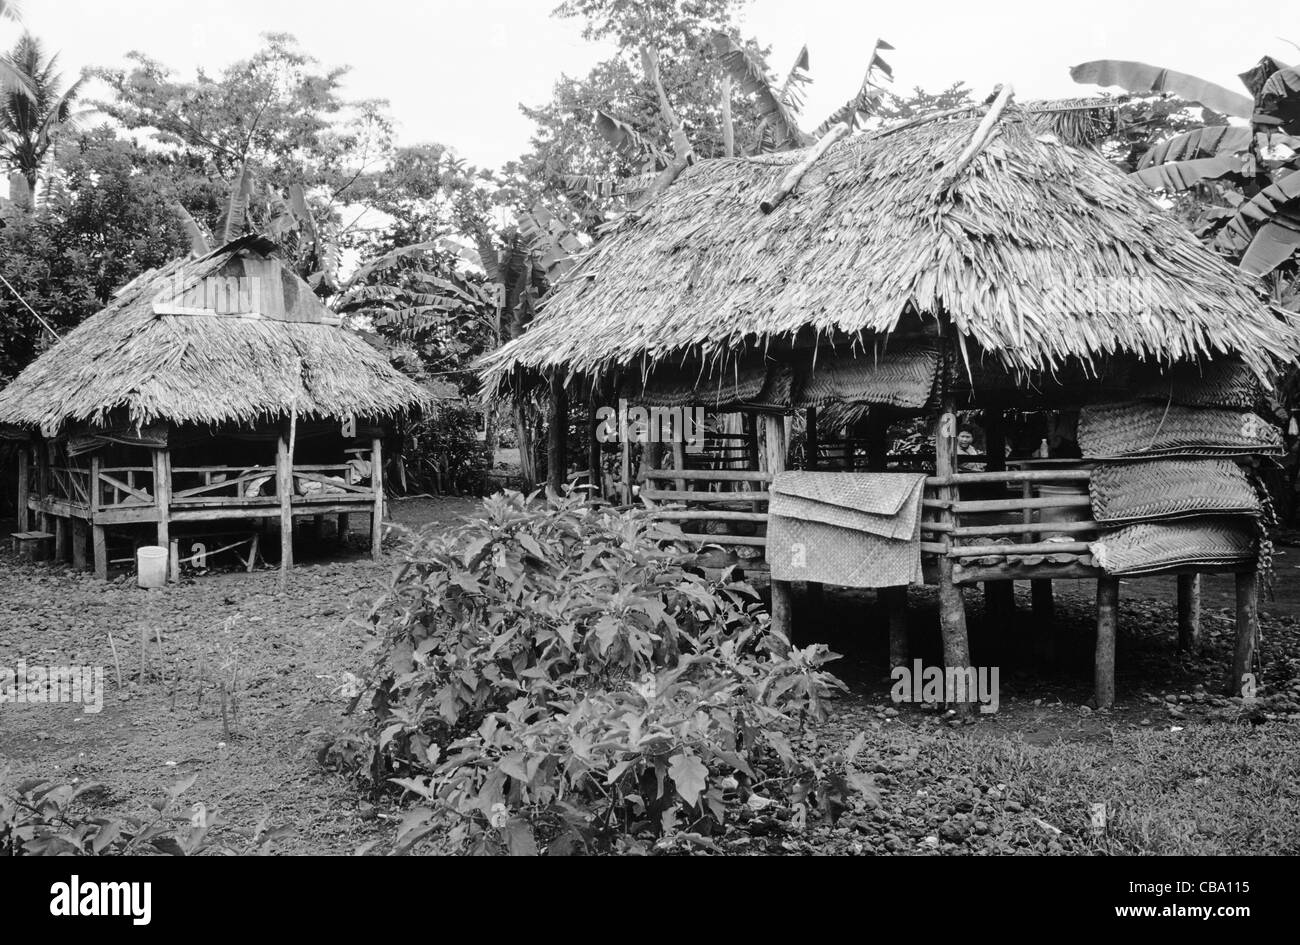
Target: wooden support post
100,542
557,437
782,600
679,455
318,528
345,526
284,489
377,479
43,482
174,560
80,535
952,609
1189,612
1107,625
1243,660
999,596
894,600
625,468
60,539
24,486
162,490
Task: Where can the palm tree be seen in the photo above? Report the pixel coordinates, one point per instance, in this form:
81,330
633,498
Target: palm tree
28,119
10,78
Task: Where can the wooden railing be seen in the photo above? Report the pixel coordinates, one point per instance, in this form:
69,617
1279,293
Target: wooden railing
1010,529
723,498
124,486
71,484
221,485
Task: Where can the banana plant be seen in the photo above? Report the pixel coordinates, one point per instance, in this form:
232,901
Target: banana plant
1251,169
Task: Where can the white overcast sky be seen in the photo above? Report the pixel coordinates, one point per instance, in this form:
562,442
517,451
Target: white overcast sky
455,70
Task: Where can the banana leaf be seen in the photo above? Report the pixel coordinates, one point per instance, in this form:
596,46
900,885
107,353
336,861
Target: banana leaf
1200,143
753,81
1140,78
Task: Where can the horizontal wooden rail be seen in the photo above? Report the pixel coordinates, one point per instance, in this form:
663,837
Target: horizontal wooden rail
709,515
1014,505
1021,528
1010,475
710,498
720,475
1034,548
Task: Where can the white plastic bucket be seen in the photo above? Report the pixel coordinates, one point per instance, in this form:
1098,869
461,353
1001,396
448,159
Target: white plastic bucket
151,566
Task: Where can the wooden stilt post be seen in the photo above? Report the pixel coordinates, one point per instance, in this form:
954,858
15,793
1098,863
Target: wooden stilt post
60,539
1189,612
24,486
162,490
80,534
100,542
751,441
557,436
625,467
43,482
377,480
1243,660
952,609
345,526
894,600
284,489
877,441
782,601
679,455
1107,625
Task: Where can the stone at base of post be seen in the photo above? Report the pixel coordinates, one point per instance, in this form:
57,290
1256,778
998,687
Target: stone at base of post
100,542
1043,608
1107,624
80,536
1189,612
1243,660
783,609
894,600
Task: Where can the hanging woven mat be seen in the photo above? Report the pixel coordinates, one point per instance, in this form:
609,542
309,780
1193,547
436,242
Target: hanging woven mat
1149,547
1153,429
755,383
1223,383
901,378
1168,489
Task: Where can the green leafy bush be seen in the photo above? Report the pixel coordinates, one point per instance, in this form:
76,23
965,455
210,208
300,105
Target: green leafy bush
46,818
554,678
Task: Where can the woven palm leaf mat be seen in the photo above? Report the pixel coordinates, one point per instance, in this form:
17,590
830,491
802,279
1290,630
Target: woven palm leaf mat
852,530
1223,383
1154,429
1170,488
755,383
1149,547
901,378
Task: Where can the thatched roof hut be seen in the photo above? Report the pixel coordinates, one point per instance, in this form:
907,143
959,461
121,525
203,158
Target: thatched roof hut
1037,252
956,261
211,392
166,348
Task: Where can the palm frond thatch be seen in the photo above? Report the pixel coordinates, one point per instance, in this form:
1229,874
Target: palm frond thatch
1039,253
203,368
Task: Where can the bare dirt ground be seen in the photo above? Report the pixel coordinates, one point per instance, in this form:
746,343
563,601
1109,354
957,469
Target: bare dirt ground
1181,768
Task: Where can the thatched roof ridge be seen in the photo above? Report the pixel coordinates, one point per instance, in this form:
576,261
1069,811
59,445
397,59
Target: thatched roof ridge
1038,252
203,368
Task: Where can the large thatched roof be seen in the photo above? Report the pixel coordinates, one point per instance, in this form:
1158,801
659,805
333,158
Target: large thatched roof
1037,251
181,344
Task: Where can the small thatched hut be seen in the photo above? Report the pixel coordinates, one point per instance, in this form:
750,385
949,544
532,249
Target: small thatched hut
972,263
216,389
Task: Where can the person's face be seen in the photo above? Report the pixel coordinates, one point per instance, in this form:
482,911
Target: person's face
964,439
